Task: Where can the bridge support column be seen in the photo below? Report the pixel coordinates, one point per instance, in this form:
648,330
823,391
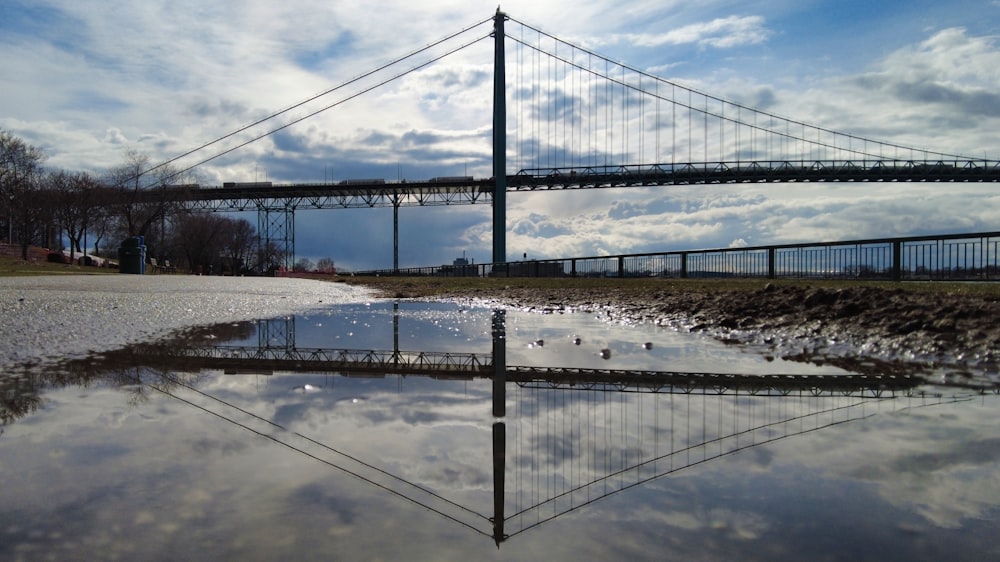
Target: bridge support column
276,227
897,260
499,142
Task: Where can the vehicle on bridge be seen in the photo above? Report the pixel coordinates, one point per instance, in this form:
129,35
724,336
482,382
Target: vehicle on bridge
247,184
370,181
451,179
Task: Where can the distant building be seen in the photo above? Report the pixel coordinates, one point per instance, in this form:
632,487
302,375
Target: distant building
535,269
460,267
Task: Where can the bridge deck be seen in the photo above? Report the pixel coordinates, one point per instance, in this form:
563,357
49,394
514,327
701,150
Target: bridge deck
468,190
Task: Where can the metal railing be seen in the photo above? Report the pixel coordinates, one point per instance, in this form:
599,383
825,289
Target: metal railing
951,257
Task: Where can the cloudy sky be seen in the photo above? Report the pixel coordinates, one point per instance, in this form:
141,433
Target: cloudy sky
87,80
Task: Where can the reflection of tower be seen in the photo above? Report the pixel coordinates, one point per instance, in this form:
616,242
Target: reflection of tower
499,363
276,333
499,474
499,429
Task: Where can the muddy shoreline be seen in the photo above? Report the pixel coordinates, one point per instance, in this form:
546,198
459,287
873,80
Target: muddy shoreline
863,328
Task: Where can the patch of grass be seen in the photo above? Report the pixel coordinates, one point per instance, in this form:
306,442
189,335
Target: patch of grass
16,267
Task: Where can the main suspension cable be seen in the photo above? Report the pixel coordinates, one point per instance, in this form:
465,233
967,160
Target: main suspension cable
331,106
315,97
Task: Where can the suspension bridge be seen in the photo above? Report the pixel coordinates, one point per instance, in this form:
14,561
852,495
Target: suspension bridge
566,118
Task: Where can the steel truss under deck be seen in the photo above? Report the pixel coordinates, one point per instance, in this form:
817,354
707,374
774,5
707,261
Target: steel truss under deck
468,366
376,193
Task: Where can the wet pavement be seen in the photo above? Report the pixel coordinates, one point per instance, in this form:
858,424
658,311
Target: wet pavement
49,318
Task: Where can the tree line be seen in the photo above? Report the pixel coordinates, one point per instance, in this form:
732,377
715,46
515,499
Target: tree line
45,207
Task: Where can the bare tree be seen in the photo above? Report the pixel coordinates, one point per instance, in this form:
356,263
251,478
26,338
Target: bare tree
199,238
239,245
21,189
76,201
269,257
304,265
99,222
145,196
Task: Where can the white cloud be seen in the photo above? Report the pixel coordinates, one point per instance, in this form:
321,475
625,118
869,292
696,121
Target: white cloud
723,33
937,94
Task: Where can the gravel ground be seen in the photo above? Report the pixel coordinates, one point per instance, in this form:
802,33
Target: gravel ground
50,318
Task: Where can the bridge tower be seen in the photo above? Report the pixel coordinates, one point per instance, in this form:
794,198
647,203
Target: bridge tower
499,142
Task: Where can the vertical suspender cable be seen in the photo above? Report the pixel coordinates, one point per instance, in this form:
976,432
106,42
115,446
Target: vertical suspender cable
690,130
705,131
658,121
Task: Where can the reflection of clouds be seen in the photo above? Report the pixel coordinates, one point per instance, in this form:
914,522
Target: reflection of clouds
957,480
758,459
737,524
205,445
940,462
437,439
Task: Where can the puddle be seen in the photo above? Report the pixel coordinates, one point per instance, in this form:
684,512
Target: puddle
430,431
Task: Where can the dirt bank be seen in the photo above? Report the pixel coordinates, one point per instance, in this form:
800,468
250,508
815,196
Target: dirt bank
947,328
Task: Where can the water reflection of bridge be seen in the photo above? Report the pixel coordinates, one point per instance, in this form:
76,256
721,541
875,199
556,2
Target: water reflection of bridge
276,350
563,438
469,366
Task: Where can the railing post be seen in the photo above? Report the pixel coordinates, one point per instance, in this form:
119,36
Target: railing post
684,265
771,268
573,268
897,260
621,266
